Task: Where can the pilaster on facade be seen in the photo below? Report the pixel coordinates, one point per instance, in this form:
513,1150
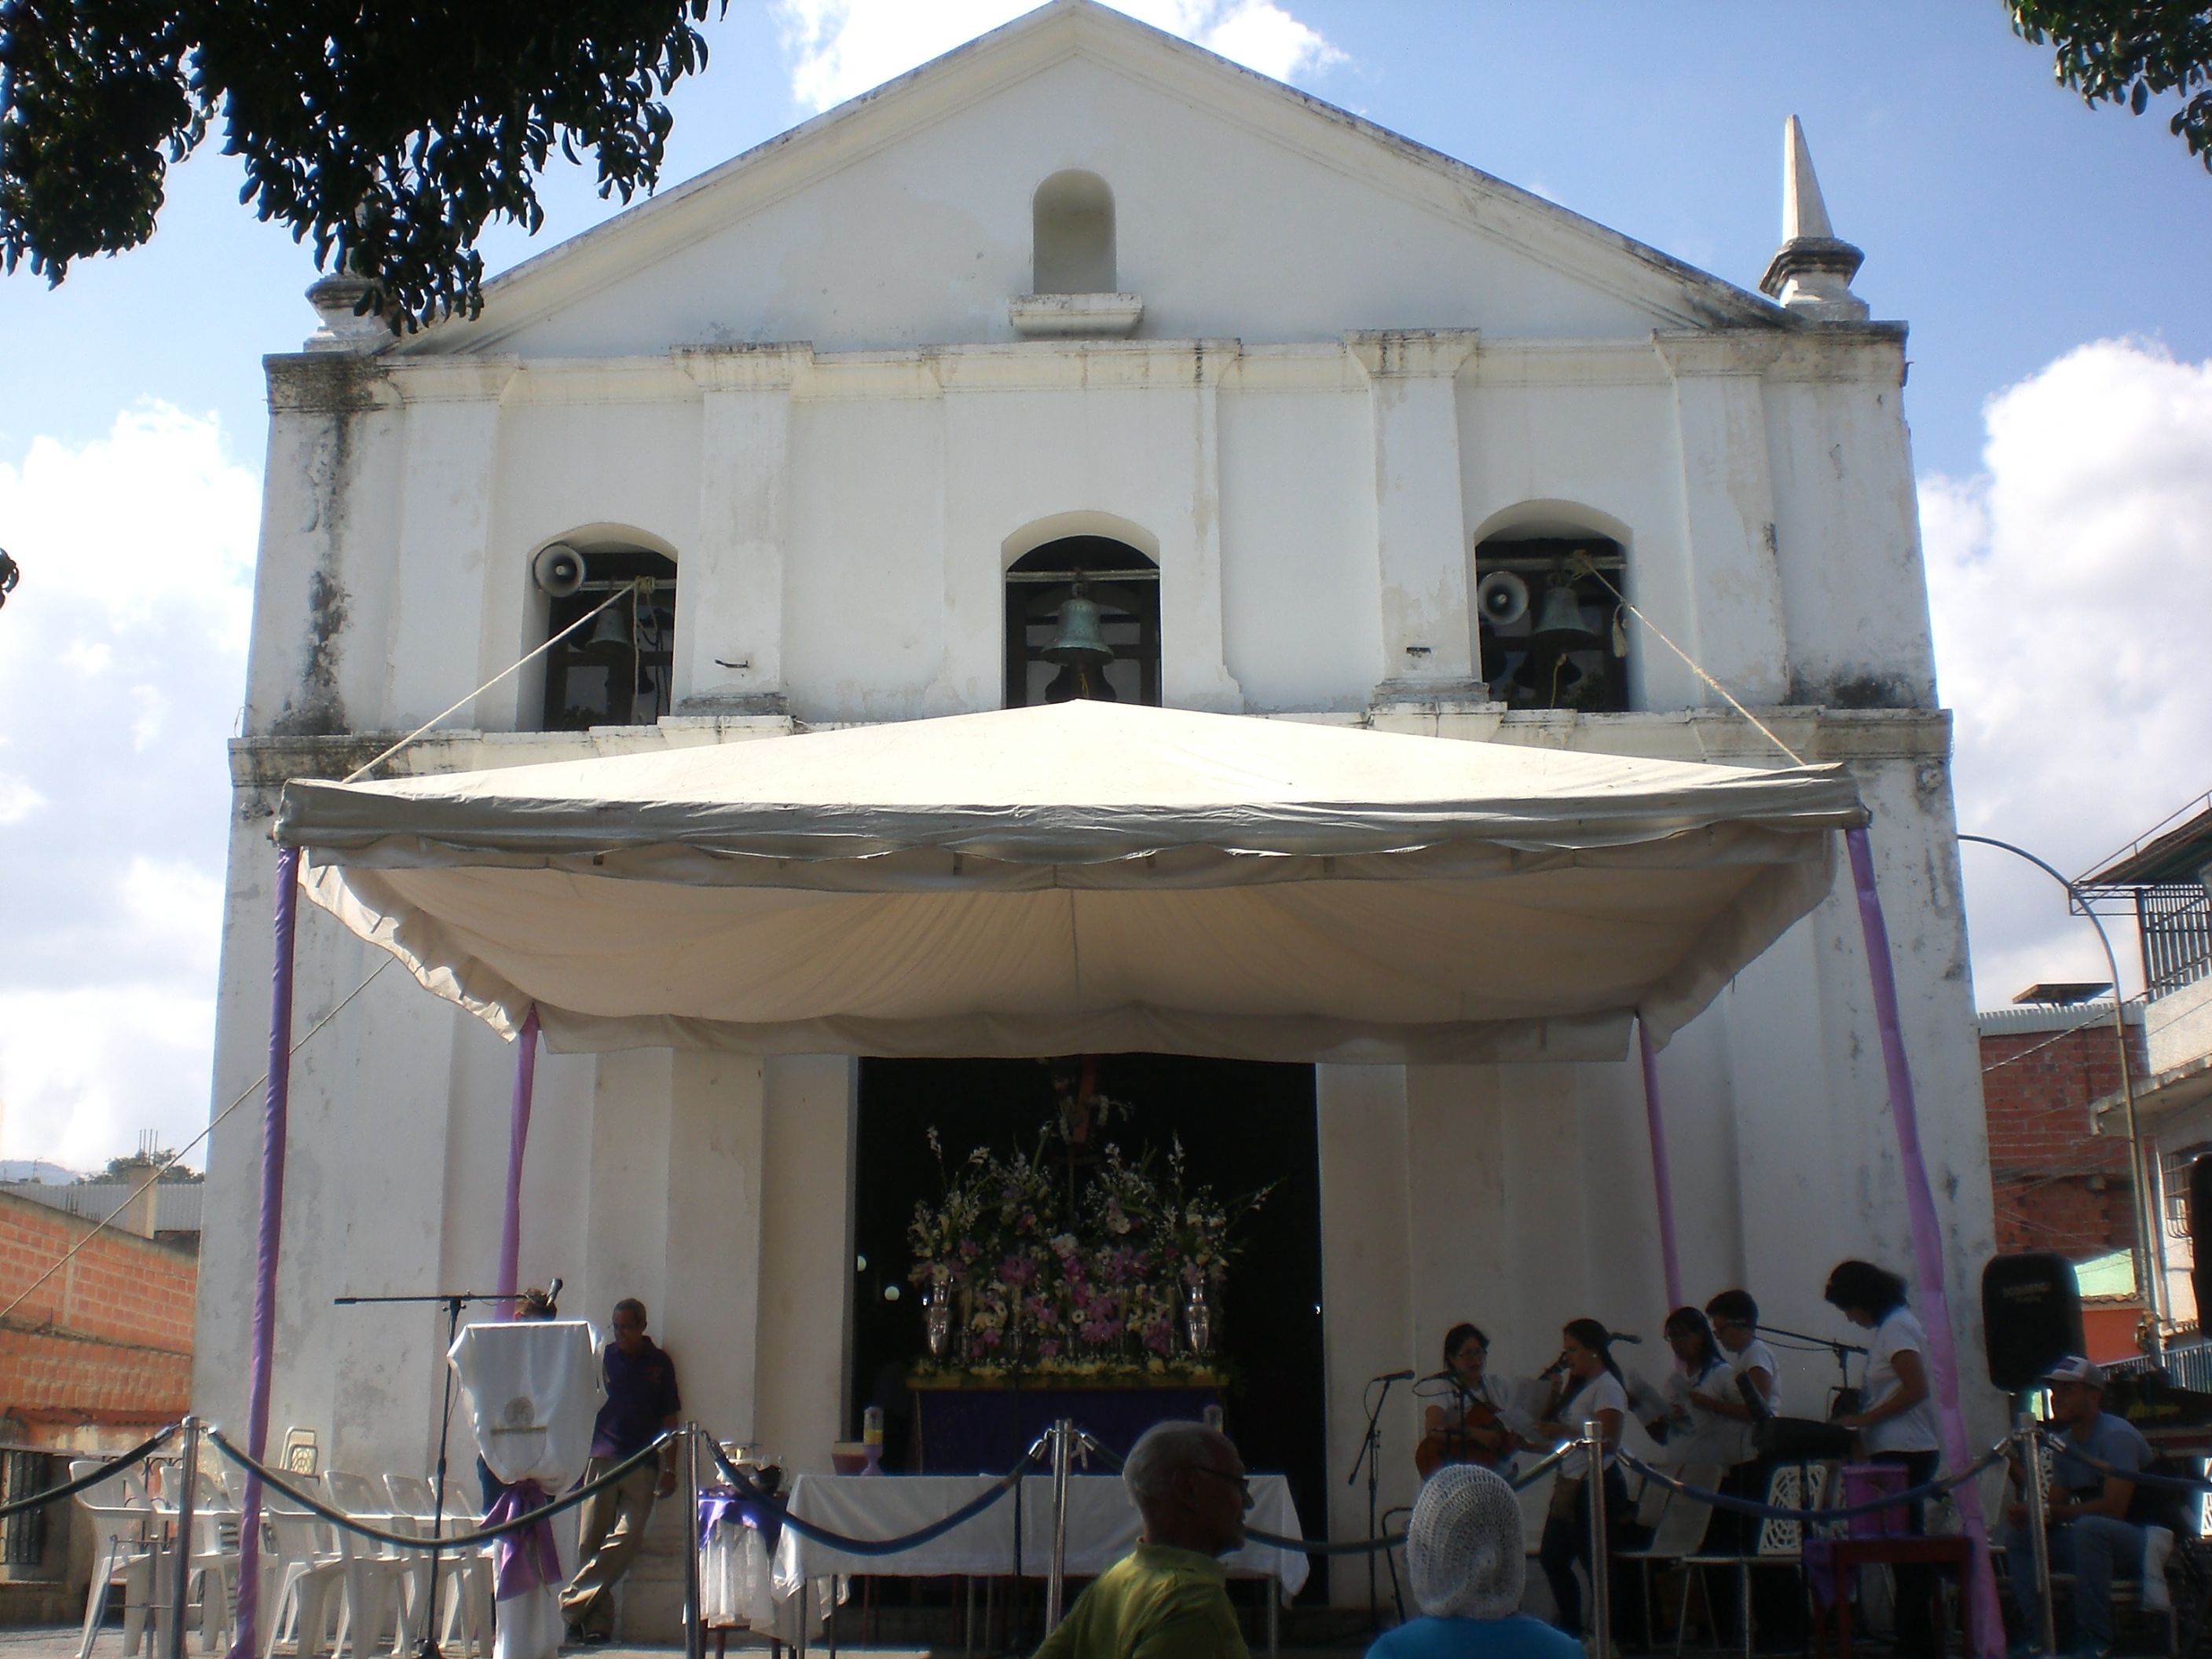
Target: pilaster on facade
1730,585
730,630
1420,519
446,581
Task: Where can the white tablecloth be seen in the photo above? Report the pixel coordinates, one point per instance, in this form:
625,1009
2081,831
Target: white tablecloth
1102,1527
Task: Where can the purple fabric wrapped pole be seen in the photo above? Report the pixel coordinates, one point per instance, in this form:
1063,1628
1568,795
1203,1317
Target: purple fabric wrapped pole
268,1238
1927,1242
517,1140
1662,1183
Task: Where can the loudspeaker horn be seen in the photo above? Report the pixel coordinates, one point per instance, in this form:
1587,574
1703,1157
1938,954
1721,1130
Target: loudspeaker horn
1503,599
558,569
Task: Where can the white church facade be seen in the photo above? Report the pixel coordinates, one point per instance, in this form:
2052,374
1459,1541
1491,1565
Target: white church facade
1334,428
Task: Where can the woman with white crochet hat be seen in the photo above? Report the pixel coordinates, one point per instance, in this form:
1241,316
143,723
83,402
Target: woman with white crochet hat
1464,1561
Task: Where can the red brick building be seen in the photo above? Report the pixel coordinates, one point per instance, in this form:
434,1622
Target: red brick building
2057,1186
91,1362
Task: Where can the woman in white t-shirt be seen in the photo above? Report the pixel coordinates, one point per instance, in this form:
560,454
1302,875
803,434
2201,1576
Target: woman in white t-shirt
1896,1418
1691,1430
1587,1387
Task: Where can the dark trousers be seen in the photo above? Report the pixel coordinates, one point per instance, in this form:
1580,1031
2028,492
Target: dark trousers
1917,1623
1566,1543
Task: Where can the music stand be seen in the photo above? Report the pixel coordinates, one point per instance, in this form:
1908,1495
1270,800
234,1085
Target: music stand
453,1301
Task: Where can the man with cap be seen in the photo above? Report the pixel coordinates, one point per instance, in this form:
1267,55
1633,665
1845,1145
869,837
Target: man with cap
2091,1534
1168,1598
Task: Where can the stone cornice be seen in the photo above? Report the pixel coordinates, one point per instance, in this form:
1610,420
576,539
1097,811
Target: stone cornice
325,382
452,380
1410,354
772,367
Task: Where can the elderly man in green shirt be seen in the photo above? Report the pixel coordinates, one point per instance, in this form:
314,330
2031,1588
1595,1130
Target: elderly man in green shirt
1168,1598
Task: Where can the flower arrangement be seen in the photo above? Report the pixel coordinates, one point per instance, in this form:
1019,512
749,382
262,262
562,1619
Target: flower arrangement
1041,1276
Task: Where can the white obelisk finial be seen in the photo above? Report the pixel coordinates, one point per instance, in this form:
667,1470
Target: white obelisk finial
1811,273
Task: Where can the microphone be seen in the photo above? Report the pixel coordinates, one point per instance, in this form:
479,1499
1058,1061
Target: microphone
553,1288
1405,1375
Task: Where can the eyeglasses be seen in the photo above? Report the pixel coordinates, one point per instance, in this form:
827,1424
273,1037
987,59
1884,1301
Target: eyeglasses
1731,1324
1243,1483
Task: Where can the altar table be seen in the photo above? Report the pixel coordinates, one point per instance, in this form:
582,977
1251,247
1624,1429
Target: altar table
1101,1529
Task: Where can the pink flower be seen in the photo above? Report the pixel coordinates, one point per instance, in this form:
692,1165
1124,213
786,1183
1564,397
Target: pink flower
1048,1348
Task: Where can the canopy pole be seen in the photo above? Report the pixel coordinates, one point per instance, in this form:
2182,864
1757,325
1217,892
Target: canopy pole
269,1237
1927,1240
518,1139
1662,1183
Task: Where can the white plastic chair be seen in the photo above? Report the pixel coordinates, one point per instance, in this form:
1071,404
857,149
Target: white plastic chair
212,1560
303,1578
122,1516
1678,1528
376,1574
1778,1543
465,1578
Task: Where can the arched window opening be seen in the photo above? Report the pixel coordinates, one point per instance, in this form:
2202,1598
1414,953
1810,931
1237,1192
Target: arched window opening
617,669
1125,588
1071,248
1551,635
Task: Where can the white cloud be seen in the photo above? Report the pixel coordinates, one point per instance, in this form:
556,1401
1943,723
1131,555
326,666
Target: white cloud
2069,581
839,48
122,662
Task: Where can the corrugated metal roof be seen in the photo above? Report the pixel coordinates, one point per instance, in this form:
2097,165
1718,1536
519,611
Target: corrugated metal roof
176,1206
2052,1016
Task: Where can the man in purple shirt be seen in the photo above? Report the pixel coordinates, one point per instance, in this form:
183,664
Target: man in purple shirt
641,1401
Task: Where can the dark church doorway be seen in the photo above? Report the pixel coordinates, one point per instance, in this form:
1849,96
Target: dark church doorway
1242,1125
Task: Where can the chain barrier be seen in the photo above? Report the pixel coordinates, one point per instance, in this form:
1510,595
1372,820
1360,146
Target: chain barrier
1723,1500
750,1488
2141,1477
1276,1540
278,1482
76,1484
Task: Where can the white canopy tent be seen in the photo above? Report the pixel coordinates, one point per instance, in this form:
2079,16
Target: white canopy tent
1082,878
1085,878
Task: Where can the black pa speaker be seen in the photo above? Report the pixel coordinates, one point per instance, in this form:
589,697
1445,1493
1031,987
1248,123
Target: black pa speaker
2030,1315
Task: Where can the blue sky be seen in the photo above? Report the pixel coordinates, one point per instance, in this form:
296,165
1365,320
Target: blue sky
2055,265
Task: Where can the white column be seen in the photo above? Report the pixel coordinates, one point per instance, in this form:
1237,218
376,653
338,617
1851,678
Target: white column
713,1268
1367,1326
729,631
627,1221
433,632
1735,629
1193,665
1420,522
812,1104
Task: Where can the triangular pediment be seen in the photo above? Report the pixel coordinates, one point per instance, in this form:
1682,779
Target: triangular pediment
1245,208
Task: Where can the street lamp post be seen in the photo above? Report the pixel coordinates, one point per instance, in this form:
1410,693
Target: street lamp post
2150,1256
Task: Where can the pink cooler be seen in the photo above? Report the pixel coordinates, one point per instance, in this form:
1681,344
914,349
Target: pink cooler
1869,1483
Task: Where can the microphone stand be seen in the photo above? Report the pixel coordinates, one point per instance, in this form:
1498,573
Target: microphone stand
1370,1454
1843,1351
451,1301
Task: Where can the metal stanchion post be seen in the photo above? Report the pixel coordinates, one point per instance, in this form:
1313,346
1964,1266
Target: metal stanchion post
1601,1558
2038,1529
1063,1448
180,1553
694,1635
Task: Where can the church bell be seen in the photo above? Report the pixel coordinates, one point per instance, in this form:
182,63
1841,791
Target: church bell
1079,642
1559,623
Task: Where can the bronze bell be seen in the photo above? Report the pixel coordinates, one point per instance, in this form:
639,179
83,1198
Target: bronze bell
612,630
1079,642
1559,623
